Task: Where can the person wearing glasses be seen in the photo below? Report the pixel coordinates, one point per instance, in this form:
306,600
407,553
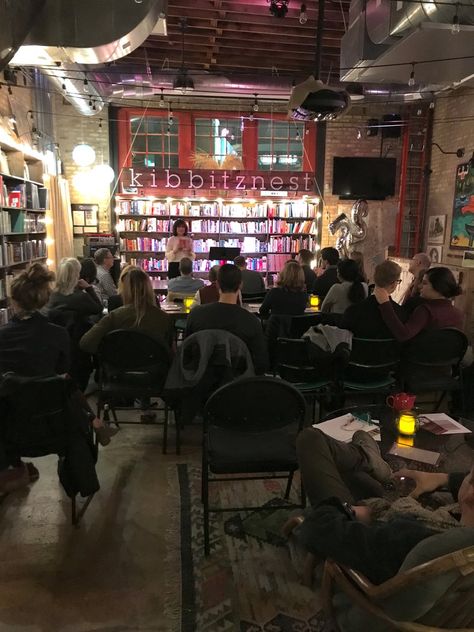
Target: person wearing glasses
436,311
364,319
105,286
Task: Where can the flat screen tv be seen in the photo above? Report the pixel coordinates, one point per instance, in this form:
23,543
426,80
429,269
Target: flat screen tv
366,178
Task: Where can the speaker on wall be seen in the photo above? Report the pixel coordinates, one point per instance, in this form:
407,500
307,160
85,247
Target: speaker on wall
391,126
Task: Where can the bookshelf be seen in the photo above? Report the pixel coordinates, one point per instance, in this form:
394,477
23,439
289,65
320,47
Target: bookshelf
23,207
268,232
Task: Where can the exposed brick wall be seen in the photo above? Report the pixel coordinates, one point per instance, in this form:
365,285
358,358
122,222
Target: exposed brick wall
72,128
453,128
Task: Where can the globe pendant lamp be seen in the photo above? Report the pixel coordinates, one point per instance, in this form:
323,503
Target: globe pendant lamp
103,173
83,155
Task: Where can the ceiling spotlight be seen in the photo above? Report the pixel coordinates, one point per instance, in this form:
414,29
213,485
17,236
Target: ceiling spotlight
278,8
303,14
183,81
255,104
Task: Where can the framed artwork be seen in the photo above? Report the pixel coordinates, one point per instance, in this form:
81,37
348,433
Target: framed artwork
436,228
84,218
462,227
435,253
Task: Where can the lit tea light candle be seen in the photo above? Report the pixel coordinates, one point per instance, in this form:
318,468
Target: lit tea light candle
188,301
314,301
405,441
407,424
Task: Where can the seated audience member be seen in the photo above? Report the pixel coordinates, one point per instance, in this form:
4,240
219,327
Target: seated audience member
89,275
252,281
289,297
349,291
208,293
304,258
226,314
364,319
336,475
139,312
73,295
105,286
117,301
435,311
358,257
185,283
328,273
31,346
418,266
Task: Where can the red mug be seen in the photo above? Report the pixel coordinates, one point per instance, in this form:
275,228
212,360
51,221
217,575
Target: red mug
401,401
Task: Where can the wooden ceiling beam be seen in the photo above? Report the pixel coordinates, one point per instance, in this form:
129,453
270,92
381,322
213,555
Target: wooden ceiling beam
253,46
252,18
198,27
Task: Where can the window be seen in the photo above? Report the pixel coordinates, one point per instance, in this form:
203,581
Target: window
154,143
218,143
280,145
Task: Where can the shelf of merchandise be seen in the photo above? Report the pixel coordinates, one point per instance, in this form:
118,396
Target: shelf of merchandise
15,220
133,215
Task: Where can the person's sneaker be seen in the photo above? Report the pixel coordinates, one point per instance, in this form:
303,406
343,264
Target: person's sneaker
378,468
13,478
104,434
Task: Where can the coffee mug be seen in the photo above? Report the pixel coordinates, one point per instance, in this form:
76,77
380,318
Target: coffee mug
401,401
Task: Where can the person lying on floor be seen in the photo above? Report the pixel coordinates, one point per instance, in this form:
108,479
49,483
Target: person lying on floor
336,475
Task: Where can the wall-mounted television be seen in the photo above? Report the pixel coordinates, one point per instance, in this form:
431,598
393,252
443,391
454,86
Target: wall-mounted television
367,178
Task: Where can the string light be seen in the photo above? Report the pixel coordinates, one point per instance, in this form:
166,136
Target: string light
86,85
255,103
242,124
359,134
303,15
162,99
100,123
411,80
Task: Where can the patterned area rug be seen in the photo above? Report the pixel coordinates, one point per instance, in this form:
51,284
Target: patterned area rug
248,583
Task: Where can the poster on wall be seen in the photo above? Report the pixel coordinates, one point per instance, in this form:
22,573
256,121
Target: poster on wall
436,226
462,227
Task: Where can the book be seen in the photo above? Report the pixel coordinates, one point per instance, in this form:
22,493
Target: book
343,428
440,423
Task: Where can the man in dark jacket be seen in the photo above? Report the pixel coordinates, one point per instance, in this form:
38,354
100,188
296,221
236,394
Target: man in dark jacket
324,282
338,529
364,319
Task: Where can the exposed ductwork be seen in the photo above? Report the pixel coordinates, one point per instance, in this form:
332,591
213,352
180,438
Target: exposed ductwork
66,33
385,37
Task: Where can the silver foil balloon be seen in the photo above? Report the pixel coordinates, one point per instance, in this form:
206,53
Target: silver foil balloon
351,229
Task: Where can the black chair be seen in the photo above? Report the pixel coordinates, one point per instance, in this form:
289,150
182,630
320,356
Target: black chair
431,363
296,364
299,325
372,366
253,297
131,366
250,427
40,419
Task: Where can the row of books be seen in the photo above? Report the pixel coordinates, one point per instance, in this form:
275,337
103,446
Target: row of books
247,244
5,222
23,195
152,264
286,244
276,262
293,228
150,225
146,244
3,316
21,222
16,251
270,209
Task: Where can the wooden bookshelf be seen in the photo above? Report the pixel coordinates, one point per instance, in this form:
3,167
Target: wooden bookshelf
267,231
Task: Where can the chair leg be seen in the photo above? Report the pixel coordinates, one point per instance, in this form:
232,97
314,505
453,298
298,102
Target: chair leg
73,511
114,415
302,493
288,485
165,431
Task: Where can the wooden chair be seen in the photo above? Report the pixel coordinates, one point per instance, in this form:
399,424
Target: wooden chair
455,612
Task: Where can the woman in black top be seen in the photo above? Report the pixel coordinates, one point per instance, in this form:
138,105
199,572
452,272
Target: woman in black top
289,297
33,347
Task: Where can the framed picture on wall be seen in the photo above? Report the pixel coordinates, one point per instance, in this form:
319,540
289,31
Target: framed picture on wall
462,227
435,253
84,218
436,228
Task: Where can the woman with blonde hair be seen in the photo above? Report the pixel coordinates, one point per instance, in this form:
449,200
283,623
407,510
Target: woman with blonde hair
289,297
139,312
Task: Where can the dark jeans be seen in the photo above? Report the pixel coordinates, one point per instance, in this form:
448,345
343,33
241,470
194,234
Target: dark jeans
173,269
333,468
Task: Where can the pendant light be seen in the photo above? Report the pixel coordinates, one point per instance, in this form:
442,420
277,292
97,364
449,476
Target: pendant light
183,81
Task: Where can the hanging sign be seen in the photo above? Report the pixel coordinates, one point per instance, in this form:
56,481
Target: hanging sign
223,180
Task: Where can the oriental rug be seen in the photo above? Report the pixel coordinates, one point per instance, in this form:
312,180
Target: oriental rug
248,583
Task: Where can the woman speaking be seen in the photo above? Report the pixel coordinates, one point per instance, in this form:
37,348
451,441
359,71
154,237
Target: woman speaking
178,247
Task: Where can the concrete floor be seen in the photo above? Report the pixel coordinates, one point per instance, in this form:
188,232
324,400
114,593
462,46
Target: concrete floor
120,569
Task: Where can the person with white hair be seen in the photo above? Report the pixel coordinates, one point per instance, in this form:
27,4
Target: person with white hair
418,266
72,294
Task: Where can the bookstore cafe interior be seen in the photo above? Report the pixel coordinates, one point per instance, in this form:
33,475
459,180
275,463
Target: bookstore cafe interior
237,316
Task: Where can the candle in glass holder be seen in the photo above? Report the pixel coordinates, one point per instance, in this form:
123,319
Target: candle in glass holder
405,441
187,302
314,300
406,423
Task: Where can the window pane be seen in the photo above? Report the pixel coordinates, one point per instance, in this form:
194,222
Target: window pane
173,160
136,124
171,144
218,138
155,143
152,146
139,144
138,160
156,124
280,145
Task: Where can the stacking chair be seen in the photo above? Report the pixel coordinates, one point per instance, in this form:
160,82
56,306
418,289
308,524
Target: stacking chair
38,421
131,366
294,364
372,366
431,363
430,596
250,428
253,297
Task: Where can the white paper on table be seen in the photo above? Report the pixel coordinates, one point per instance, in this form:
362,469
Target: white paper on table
343,428
440,423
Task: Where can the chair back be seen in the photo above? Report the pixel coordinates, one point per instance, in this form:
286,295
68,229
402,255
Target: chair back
255,404
296,361
132,359
441,348
372,358
35,419
253,297
299,325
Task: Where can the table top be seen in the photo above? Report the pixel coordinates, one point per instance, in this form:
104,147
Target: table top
178,308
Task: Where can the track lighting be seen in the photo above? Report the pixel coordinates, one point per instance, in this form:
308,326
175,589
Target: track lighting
278,8
303,15
411,80
255,104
